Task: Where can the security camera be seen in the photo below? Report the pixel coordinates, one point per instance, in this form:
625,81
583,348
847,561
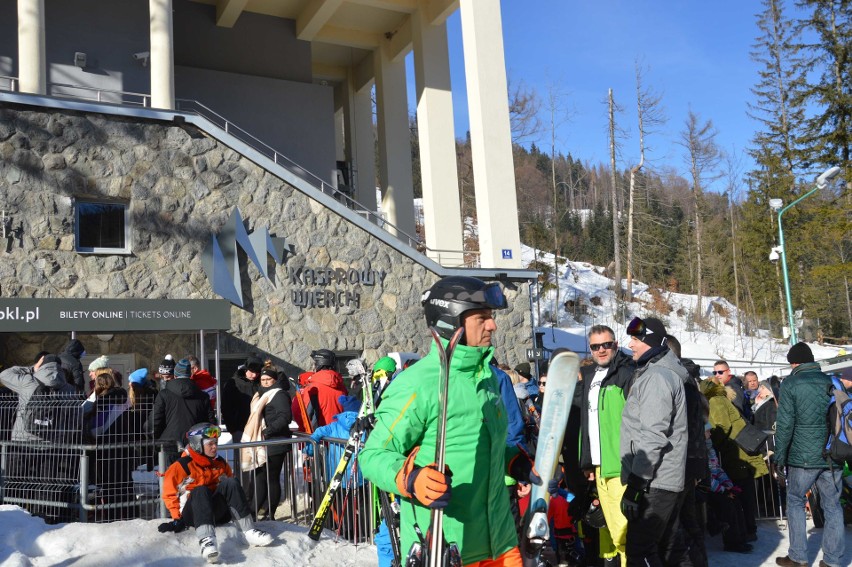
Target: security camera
774,254
143,57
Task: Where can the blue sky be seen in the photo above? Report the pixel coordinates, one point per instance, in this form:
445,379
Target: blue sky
696,55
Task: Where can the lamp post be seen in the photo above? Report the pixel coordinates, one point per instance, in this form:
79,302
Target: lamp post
778,205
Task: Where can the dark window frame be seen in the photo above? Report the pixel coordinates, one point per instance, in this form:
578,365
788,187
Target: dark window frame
93,243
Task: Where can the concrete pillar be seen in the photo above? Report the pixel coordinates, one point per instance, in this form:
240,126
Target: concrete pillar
32,50
162,55
364,160
442,220
395,178
490,133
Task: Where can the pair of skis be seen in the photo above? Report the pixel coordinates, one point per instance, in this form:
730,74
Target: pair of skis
353,445
434,550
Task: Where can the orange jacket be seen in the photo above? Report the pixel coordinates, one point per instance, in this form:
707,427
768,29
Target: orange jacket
186,473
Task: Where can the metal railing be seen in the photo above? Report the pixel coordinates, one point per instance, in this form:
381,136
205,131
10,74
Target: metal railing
65,474
188,106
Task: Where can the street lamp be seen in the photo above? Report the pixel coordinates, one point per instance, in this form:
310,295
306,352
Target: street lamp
778,205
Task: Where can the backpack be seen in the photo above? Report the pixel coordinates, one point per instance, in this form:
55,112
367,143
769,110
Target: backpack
54,416
839,445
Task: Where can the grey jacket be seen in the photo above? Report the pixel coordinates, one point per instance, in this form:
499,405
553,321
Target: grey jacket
23,381
653,424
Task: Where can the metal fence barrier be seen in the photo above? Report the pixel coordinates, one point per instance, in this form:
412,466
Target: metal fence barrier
101,466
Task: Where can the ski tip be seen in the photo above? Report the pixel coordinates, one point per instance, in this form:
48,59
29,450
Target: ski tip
564,352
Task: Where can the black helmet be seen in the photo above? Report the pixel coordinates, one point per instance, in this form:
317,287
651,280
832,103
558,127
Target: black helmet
324,358
449,298
199,432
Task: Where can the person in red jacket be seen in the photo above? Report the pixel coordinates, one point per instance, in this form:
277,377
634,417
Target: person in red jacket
200,490
317,403
203,379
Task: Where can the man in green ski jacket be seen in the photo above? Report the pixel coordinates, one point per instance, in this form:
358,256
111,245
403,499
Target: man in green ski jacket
399,455
801,433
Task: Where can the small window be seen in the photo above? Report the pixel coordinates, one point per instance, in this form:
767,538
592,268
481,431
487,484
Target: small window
102,227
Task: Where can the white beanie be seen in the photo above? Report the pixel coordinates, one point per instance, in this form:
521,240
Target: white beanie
98,363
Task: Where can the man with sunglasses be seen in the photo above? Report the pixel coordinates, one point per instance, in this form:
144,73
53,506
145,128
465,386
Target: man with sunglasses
722,373
200,490
653,448
604,385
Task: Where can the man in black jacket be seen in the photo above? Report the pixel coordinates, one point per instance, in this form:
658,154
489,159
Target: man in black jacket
179,405
70,357
237,393
604,389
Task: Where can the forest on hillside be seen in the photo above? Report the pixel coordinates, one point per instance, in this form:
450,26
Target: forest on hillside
662,225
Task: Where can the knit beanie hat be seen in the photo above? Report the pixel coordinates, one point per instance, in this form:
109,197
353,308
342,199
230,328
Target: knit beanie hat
800,353
254,364
98,363
167,366
385,363
350,403
655,332
182,369
138,376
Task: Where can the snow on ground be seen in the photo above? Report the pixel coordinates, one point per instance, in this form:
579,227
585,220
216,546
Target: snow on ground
26,541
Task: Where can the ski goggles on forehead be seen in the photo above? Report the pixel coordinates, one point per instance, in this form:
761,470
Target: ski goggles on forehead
209,432
636,328
491,296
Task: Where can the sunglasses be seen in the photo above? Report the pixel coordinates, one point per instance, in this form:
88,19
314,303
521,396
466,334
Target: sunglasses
607,345
209,432
636,328
540,384
718,372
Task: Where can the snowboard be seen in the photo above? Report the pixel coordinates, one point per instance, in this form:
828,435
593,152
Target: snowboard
561,381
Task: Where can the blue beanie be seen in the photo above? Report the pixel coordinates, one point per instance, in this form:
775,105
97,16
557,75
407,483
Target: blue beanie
138,376
350,403
183,369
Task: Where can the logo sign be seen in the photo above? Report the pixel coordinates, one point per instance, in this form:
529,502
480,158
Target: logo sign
538,354
507,253
34,315
221,261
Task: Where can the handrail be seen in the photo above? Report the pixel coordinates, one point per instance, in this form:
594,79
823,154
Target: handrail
188,106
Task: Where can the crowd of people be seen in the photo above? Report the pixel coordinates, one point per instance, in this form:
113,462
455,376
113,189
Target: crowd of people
655,458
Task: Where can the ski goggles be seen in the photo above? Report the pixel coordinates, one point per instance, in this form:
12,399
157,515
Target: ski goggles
493,296
208,432
636,328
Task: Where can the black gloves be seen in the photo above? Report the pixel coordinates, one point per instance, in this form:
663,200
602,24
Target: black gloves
522,468
634,493
175,526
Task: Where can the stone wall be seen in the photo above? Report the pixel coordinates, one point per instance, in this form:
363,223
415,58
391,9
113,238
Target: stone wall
181,186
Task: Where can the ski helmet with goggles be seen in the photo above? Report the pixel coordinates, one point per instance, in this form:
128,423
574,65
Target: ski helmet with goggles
199,432
449,298
324,358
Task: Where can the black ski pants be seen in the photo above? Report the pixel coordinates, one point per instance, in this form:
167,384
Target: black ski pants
267,484
209,507
655,531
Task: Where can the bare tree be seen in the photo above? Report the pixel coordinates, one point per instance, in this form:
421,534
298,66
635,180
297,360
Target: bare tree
734,174
558,116
524,107
702,158
615,240
650,114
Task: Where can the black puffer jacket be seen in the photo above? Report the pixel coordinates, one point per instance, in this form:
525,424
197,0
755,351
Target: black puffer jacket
277,417
70,357
179,406
237,394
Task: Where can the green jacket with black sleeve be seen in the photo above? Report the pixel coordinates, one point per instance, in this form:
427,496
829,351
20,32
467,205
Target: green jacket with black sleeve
801,429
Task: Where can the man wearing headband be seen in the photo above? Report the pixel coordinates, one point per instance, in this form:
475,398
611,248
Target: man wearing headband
653,447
